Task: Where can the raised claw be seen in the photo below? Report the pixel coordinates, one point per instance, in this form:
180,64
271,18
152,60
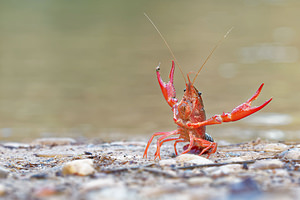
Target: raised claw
168,89
244,109
237,113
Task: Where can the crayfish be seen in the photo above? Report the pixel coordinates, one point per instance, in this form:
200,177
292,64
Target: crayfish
189,113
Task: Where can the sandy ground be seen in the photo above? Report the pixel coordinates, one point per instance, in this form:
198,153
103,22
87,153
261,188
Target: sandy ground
63,168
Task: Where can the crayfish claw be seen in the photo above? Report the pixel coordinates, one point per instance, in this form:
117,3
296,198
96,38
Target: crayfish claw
167,89
245,109
254,97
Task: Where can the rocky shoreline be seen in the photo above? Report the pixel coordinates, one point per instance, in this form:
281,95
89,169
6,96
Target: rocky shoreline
63,168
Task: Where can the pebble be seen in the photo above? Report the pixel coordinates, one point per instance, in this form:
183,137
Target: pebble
293,154
267,164
54,141
82,167
193,159
3,172
2,190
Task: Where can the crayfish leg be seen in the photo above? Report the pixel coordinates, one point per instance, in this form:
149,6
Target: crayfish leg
201,146
150,140
207,145
175,143
190,145
159,142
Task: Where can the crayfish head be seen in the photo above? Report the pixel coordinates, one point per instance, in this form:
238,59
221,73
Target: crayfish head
191,103
191,93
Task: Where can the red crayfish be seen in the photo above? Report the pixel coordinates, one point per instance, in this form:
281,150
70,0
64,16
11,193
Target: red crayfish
189,114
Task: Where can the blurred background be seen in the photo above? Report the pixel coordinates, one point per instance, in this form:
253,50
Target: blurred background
87,68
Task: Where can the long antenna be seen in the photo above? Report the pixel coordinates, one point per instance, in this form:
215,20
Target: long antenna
162,37
210,54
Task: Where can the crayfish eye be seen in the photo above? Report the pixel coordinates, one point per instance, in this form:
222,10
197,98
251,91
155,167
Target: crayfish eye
199,93
184,90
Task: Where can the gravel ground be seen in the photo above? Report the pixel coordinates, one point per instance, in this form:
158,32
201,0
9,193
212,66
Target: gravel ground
63,168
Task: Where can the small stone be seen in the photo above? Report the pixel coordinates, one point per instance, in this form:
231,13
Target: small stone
79,167
54,141
3,172
275,147
293,154
2,190
267,164
167,162
193,159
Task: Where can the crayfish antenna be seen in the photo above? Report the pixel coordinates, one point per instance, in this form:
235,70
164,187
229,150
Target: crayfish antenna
162,37
210,54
